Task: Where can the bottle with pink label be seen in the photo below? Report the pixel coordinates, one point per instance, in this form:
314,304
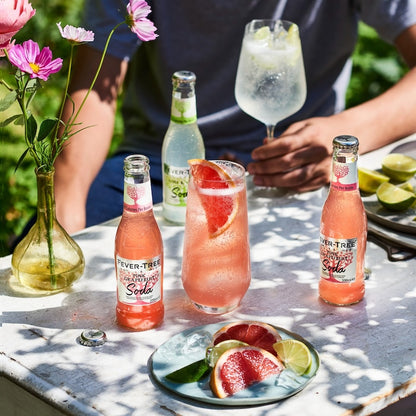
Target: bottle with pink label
138,252
343,231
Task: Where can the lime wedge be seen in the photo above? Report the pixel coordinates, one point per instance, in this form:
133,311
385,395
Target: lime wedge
292,34
294,354
407,186
190,373
214,352
399,167
369,180
262,34
394,198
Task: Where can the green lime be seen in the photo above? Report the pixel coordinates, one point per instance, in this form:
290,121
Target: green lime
399,167
262,33
292,34
294,354
394,198
407,186
190,373
214,352
369,180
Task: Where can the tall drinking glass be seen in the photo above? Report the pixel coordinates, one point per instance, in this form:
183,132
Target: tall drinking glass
270,84
216,255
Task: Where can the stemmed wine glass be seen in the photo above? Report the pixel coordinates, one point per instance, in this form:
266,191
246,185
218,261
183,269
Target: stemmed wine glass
270,84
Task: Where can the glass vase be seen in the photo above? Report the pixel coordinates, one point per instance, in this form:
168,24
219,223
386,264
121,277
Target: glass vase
47,258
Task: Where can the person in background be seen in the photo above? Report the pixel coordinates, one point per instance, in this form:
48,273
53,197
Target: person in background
204,36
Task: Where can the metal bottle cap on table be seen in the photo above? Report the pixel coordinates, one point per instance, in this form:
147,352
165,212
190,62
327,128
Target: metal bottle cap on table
92,337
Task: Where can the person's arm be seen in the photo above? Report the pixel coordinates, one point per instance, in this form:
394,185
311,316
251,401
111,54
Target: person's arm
85,152
301,157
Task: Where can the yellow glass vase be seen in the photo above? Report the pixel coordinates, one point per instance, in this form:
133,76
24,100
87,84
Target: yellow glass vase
47,258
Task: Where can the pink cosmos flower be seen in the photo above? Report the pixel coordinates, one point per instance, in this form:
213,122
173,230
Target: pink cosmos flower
144,28
14,14
28,58
76,34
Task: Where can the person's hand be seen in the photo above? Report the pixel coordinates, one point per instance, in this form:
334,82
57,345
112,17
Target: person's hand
299,159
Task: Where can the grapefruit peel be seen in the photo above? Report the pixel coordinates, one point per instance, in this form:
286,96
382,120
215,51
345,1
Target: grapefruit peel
220,210
240,367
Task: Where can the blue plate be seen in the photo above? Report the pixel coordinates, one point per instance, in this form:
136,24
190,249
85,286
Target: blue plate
190,345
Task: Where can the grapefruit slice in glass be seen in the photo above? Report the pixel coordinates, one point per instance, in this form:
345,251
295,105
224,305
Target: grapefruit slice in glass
216,193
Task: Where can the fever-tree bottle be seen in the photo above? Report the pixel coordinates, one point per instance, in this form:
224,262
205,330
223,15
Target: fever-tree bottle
343,229
183,141
138,252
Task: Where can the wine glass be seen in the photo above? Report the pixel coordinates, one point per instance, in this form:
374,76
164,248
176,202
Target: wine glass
270,84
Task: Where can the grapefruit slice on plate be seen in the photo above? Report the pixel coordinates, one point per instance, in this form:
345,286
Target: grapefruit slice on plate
257,334
220,206
240,367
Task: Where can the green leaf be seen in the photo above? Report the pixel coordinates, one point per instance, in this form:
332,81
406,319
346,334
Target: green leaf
33,85
10,120
46,127
20,120
32,127
19,162
8,100
190,373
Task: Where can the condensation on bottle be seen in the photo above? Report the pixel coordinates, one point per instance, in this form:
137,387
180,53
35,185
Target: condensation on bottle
343,229
182,142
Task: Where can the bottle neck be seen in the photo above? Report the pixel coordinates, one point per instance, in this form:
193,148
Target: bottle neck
344,175
46,193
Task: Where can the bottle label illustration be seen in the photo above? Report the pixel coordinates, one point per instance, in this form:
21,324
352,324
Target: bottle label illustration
138,281
338,259
137,197
176,185
344,176
183,110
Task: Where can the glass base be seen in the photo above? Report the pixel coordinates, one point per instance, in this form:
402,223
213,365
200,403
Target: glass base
214,310
341,304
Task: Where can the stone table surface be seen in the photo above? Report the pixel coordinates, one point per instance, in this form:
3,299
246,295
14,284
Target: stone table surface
367,351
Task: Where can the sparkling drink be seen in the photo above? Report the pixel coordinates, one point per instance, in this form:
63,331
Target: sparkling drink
270,83
343,230
216,258
138,252
182,141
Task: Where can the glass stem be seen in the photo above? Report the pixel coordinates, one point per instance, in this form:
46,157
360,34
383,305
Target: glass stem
270,132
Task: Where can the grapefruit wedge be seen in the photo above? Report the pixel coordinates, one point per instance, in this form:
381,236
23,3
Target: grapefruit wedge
253,333
220,207
240,367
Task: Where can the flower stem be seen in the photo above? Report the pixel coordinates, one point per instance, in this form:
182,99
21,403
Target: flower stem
22,104
47,210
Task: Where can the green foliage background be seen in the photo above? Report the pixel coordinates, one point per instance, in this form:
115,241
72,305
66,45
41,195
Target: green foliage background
376,67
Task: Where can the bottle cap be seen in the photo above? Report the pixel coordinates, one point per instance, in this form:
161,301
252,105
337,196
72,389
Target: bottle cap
345,142
184,76
92,338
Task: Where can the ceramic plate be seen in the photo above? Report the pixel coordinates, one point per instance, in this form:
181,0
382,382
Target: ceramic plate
399,221
189,346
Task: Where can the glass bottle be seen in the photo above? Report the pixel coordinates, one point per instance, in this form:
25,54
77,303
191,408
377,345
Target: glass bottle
47,258
183,141
138,252
343,230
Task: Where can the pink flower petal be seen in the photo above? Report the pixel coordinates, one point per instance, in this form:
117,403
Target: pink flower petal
76,34
144,28
28,58
14,14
